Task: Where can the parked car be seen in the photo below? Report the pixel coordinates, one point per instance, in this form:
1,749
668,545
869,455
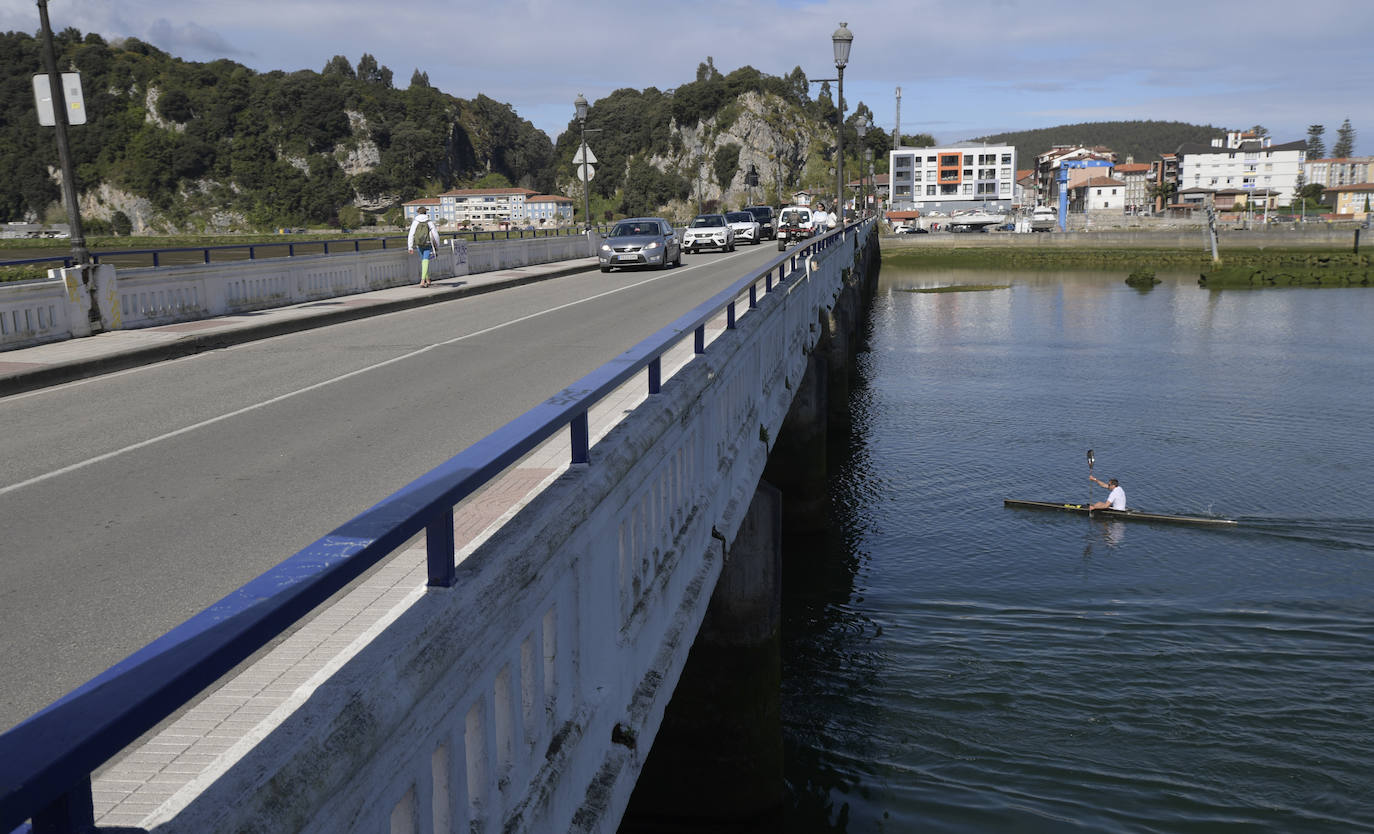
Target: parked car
745,226
640,241
764,214
794,224
709,231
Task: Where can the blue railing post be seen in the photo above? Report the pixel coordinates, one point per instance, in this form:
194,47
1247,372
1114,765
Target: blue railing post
730,316
581,446
700,339
206,253
71,813
655,374
154,259
753,296
252,253
439,551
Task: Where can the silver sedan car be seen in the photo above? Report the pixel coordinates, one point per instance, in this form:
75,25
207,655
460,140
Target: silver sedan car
640,241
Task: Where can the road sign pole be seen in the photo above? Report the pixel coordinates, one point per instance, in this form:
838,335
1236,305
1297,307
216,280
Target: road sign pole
59,106
80,256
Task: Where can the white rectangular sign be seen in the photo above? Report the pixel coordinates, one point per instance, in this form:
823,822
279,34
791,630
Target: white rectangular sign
71,91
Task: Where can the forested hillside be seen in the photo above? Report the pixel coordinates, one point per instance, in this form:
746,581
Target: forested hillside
1142,140
177,146
196,146
658,147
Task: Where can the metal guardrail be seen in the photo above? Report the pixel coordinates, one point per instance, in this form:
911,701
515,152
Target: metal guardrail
317,246
46,761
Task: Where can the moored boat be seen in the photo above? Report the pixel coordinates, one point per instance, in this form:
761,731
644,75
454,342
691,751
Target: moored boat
1128,515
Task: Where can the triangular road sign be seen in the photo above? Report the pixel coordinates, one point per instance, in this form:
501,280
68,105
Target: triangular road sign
577,157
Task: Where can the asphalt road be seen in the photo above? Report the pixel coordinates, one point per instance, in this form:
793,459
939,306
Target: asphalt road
131,501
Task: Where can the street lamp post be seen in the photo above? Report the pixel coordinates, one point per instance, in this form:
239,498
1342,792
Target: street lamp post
581,105
861,128
841,39
872,182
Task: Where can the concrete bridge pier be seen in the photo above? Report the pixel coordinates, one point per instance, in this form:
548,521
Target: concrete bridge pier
716,763
797,462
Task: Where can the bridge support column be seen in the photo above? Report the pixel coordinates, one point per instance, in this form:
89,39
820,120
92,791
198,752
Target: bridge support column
716,762
797,461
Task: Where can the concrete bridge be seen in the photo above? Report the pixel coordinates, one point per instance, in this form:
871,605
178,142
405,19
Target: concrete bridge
494,646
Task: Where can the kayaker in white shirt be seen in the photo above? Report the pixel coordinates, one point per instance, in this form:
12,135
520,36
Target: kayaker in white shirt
1116,498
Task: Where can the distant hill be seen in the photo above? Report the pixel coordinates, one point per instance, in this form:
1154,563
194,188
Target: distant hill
1142,140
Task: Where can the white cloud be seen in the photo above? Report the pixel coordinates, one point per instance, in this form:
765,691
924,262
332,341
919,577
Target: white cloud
965,70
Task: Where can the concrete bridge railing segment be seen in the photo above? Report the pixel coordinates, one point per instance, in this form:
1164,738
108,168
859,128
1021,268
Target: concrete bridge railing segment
520,686
33,312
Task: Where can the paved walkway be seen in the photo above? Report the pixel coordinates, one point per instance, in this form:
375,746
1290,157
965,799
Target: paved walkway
40,366
150,781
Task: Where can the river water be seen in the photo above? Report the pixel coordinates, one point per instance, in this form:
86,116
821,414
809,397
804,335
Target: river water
951,665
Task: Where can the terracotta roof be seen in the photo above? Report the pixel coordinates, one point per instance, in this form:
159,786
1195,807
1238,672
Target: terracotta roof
1132,168
423,201
476,192
548,198
1359,186
1105,182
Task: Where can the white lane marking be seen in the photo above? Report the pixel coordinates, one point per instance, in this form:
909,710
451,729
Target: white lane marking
274,400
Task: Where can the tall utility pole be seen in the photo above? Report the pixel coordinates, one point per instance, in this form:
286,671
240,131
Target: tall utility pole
897,132
59,106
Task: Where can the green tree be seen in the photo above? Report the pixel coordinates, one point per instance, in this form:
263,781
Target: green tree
726,163
1345,141
1310,194
120,224
1316,145
493,180
339,66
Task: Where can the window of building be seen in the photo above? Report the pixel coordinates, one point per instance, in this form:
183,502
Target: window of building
930,191
1006,159
949,190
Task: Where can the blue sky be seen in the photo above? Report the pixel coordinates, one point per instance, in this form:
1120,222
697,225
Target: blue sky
966,69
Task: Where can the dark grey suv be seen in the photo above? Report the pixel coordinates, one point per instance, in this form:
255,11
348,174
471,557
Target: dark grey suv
768,228
640,241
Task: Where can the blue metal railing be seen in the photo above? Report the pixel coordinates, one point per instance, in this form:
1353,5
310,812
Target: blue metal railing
46,761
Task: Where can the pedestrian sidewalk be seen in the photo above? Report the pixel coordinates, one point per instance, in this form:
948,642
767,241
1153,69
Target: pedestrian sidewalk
53,363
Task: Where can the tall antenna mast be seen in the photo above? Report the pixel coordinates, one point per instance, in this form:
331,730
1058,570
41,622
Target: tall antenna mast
897,134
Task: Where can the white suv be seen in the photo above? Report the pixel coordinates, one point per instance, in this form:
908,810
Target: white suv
709,231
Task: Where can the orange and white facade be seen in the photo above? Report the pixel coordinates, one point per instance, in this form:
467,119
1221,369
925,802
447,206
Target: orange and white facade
963,176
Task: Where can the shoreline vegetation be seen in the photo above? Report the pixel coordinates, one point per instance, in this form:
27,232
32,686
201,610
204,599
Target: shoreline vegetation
1239,269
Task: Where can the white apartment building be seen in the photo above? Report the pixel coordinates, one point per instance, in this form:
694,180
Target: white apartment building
1271,172
962,176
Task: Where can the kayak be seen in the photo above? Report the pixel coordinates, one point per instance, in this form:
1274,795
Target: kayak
1130,515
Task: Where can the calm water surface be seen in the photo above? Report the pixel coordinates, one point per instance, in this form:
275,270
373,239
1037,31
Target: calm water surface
954,666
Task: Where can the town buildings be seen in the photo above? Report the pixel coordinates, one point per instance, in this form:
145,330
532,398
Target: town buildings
966,175
493,207
1135,177
1065,167
1355,199
1332,172
1268,173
